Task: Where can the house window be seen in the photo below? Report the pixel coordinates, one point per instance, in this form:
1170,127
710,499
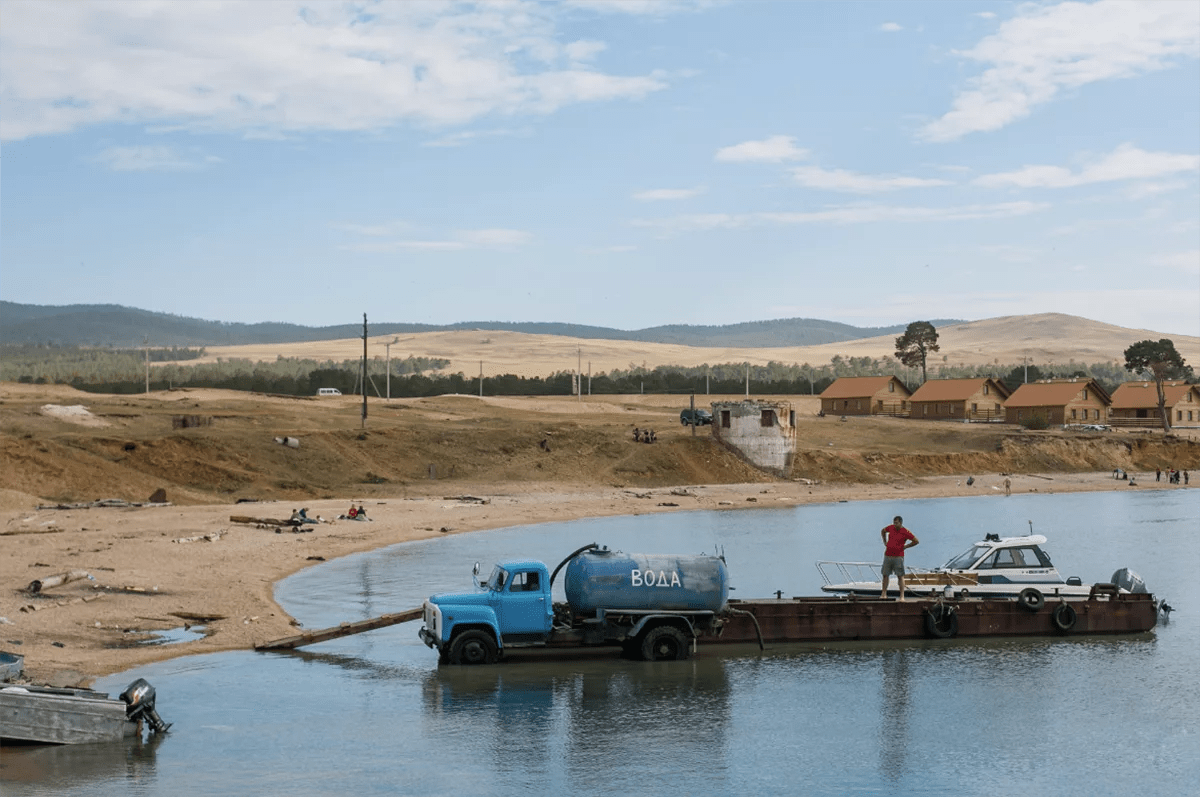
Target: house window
768,418
1085,394
1096,415
1189,415
951,409
1019,415
891,387
1179,415
1073,415
857,404
985,389
724,419
974,407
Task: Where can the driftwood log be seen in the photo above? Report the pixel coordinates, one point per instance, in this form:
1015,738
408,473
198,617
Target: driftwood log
39,584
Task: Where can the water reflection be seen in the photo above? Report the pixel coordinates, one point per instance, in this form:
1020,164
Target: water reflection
130,762
894,707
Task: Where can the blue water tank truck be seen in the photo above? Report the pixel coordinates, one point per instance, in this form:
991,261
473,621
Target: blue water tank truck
653,605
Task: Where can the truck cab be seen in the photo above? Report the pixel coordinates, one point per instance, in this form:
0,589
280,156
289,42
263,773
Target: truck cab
513,608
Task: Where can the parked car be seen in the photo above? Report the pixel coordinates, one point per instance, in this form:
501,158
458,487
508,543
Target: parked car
696,417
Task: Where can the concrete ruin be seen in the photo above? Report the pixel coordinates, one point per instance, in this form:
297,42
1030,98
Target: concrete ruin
761,432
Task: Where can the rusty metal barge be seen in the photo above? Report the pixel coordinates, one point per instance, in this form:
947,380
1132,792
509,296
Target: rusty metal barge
843,619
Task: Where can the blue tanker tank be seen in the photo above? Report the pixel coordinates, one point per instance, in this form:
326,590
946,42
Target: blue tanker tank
615,580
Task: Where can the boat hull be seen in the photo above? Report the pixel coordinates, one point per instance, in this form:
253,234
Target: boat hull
46,715
830,619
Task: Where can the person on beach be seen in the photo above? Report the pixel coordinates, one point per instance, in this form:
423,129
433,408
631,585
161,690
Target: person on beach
896,540
1007,486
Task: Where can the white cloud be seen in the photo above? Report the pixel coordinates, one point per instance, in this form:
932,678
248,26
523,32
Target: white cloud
1187,262
851,182
152,159
661,194
1126,162
495,238
891,27
1048,49
288,65
769,150
462,137
374,230
986,14
845,214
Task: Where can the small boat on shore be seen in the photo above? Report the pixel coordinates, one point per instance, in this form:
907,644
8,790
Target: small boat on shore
995,567
51,715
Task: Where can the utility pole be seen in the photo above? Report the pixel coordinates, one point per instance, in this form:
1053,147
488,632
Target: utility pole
579,373
388,346
364,373
146,348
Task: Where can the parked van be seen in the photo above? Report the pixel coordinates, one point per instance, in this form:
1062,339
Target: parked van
328,391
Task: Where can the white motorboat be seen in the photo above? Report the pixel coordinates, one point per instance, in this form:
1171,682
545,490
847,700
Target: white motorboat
995,567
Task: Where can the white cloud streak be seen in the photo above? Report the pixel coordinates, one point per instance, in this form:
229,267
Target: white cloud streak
1046,50
1126,162
152,159
770,150
667,194
286,66
891,27
846,214
488,238
854,183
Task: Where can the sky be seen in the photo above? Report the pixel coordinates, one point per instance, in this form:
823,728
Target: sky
616,163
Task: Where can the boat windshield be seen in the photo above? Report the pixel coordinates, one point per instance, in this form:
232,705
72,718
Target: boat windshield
498,579
969,557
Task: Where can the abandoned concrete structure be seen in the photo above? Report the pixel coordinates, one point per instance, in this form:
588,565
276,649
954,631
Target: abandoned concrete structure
761,432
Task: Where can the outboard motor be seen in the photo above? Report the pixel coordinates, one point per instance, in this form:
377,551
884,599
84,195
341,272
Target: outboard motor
139,703
1129,581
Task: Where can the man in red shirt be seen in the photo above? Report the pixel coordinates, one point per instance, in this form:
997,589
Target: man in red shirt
896,540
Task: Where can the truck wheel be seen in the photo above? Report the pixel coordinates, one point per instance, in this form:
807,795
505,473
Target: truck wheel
472,647
665,643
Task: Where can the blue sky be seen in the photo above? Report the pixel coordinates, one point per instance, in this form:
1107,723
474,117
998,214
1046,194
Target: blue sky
622,164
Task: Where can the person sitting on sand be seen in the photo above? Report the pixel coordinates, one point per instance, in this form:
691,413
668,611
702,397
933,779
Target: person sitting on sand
352,512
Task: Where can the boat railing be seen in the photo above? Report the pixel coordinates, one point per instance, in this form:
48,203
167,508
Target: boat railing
860,572
848,572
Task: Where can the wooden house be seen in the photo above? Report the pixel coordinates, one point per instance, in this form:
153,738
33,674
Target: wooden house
866,395
1059,401
977,399
1136,404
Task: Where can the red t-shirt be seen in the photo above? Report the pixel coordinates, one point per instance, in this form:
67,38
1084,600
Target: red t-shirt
896,537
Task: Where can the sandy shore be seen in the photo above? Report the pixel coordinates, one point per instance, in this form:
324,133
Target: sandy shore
155,568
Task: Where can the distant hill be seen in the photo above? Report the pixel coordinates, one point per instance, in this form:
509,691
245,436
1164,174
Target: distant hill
112,325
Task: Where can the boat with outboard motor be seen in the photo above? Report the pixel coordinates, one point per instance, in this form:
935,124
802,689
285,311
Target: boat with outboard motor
994,567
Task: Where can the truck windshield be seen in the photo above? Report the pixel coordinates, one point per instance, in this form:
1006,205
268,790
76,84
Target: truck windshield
498,579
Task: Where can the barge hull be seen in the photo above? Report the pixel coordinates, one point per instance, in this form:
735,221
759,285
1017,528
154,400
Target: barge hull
821,619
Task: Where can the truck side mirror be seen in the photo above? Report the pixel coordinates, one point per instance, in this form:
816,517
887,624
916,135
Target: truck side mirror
475,569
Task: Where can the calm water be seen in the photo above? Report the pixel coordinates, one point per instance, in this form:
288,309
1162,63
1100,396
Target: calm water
373,714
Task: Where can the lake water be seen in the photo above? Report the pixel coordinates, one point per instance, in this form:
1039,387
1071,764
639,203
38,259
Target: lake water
374,714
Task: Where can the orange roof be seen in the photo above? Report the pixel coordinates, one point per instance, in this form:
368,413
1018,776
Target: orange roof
1053,393
859,386
1143,395
956,389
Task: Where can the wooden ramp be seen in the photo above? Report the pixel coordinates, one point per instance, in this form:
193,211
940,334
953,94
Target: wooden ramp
345,629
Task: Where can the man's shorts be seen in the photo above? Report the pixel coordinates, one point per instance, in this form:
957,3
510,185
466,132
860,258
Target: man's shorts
893,566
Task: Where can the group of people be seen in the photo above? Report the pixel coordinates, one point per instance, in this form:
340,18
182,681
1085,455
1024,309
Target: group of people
300,516
355,513
644,435
1173,476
